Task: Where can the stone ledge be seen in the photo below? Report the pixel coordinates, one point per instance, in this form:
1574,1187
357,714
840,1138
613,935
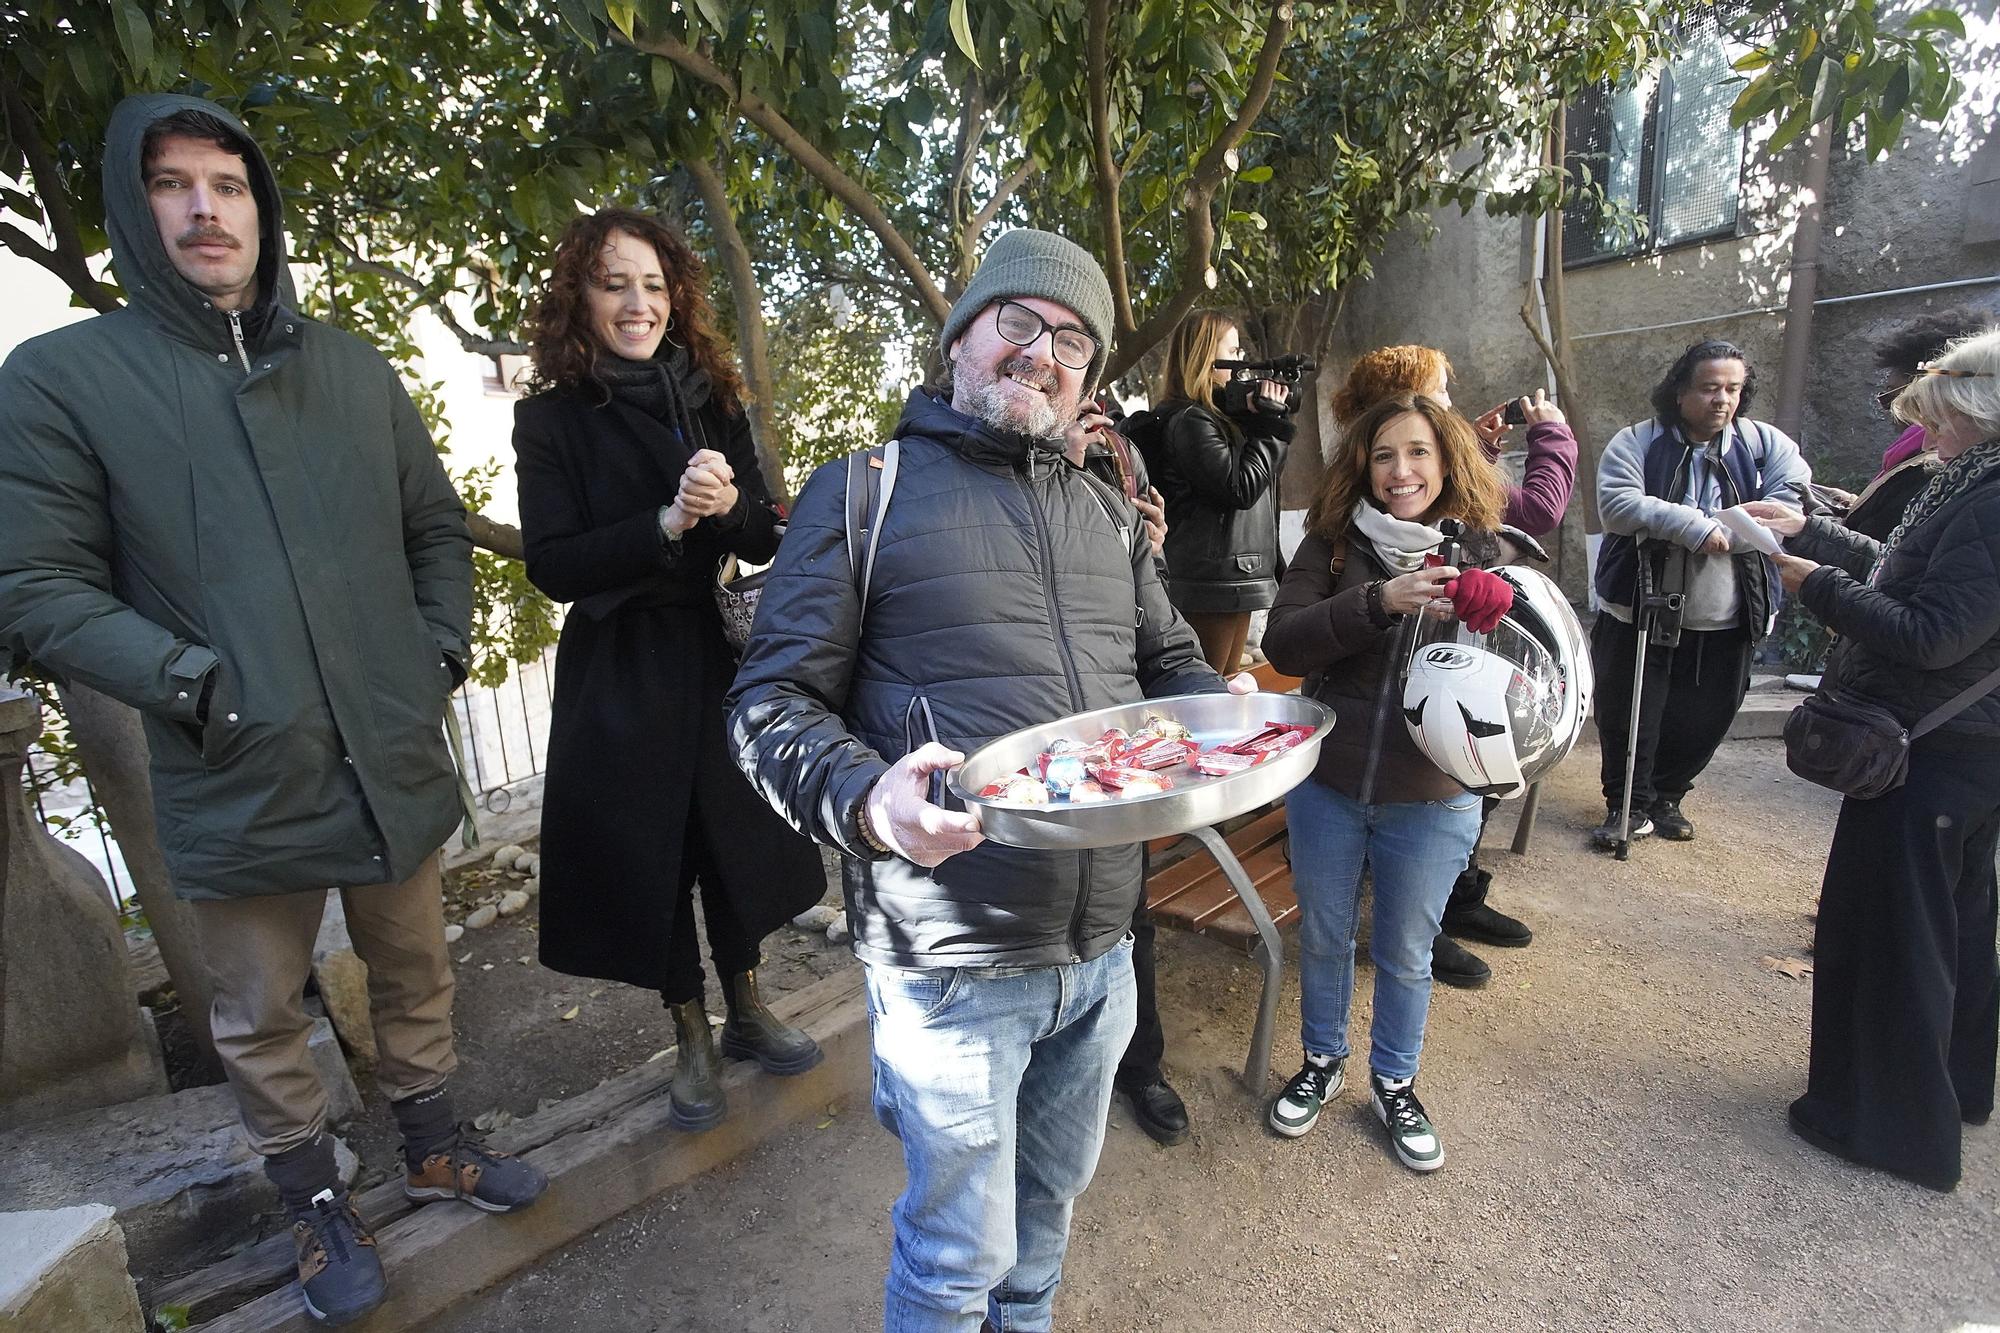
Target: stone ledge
64,1268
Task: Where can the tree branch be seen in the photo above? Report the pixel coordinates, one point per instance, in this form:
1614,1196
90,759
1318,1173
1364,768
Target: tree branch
971,129
801,150
1197,274
70,263
1097,59
1008,189
467,339
499,538
765,432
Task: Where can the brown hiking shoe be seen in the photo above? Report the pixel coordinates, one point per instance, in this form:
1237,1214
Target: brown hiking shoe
464,1168
339,1272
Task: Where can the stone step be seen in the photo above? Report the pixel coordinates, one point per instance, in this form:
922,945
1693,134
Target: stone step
64,1268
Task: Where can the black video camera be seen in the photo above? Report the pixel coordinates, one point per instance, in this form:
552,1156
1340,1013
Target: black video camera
1243,396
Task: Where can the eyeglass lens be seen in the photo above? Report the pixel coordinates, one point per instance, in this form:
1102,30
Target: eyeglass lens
1022,326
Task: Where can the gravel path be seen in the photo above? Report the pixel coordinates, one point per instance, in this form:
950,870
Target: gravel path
1612,1105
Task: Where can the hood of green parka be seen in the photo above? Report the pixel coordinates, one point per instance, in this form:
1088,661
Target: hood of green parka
151,282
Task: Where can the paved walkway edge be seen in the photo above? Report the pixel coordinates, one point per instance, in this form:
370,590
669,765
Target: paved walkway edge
443,1253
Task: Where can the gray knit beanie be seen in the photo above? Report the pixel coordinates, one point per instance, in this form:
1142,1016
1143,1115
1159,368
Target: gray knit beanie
1025,262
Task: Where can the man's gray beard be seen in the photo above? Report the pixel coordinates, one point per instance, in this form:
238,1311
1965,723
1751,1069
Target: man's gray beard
986,400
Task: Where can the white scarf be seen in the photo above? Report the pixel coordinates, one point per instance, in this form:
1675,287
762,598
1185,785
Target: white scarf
1400,544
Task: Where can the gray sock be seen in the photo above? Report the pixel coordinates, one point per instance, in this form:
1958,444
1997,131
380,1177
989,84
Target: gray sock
427,1123
301,1172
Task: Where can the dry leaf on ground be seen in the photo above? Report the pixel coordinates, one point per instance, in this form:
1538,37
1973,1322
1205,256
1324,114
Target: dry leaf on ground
1795,968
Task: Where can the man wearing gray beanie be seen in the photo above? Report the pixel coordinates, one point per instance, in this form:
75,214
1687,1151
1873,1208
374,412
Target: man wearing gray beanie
1007,589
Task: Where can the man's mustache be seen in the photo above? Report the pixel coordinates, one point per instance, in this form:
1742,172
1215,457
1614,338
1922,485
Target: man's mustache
207,236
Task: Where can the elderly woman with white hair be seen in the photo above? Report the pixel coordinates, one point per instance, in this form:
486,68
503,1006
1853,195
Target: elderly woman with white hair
1906,1001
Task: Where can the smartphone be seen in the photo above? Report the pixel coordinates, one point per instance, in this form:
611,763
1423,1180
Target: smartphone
1514,415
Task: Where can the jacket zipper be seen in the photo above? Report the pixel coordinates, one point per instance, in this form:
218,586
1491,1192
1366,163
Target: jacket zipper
236,332
1075,690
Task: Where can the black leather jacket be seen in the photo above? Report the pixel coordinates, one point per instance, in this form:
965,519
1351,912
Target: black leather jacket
1004,594
1220,487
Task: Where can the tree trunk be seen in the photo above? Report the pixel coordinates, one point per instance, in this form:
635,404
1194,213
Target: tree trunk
752,339
113,745
1805,283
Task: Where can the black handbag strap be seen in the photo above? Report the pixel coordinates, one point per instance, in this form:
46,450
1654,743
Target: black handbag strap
1961,701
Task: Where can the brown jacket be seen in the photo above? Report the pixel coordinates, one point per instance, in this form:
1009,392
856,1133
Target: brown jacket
1319,628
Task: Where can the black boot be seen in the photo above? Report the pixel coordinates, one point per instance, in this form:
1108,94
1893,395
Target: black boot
1467,916
753,1032
1455,965
696,1091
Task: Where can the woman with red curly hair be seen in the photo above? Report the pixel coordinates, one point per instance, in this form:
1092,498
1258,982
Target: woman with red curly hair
637,477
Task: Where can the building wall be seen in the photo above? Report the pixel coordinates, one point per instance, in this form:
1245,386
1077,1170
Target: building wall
1910,219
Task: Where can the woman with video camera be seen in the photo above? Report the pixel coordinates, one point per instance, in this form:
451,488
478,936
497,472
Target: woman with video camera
1371,560
1217,465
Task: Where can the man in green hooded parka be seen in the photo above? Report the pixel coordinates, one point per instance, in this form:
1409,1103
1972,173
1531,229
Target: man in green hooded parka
230,517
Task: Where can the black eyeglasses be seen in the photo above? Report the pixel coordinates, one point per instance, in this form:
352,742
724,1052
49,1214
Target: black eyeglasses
1023,327
1949,373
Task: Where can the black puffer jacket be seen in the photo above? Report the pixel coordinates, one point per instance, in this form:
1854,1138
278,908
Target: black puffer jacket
1003,596
1931,625
1222,518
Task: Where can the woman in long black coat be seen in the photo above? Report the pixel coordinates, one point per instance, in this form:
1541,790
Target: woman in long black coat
637,476
1906,991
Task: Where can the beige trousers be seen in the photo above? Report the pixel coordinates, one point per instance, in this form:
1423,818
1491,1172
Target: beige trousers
259,951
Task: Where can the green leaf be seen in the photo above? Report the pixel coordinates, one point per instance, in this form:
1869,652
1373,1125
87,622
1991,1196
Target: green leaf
661,71
961,32
576,14
623,15
1938,20
1882,133
135,35
1753,60
1256,175
1790,128
1826,90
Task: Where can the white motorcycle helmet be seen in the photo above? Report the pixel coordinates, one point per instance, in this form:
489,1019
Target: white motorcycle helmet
1496,711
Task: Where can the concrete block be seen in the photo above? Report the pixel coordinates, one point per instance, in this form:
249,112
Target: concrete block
177,1170
343,1098
64,1269
343,983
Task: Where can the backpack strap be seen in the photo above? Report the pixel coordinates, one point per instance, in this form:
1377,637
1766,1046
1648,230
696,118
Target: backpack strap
1339,562
871,480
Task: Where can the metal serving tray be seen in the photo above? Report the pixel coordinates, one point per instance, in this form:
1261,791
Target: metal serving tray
1194,801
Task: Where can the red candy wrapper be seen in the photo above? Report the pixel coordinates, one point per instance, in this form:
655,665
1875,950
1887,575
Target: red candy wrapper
1221,763
1157,753
1130,781
1270,738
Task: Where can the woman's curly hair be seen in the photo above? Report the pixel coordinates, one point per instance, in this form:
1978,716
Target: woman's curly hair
1384,373
1472,490
560,342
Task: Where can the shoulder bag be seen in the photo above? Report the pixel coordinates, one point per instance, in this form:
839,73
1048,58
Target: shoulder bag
1857,748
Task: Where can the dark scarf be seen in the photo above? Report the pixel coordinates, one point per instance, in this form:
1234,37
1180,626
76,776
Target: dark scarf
667,388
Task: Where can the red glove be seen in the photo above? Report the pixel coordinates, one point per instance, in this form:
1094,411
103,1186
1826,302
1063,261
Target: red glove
1480,599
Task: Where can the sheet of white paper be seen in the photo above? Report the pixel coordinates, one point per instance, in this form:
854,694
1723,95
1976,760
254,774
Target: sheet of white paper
1747,531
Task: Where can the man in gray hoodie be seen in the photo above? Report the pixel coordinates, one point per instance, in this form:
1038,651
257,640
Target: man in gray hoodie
1660,485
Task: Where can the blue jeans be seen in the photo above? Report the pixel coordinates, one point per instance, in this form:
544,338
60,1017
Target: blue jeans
1415,850
998,1081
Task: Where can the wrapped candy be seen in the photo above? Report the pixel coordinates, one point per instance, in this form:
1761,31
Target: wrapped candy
1088,792
1221,763
1061,772
1128,782
1022,789
1164,727
1157,752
